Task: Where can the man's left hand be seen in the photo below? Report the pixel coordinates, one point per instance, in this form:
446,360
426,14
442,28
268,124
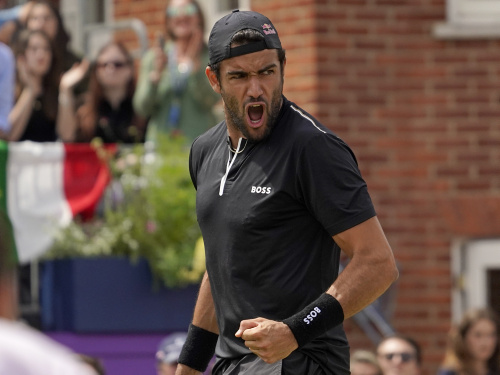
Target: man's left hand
269,339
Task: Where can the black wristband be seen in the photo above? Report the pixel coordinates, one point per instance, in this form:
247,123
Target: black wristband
315,319
198,349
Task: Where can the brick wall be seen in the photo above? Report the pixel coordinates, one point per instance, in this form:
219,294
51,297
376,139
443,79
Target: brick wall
421,115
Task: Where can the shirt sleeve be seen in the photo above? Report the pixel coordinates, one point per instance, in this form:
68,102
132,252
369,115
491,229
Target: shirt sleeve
330,184
199,88
7,76
145,95
192,171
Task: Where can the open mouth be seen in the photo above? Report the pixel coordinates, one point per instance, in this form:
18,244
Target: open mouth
255,114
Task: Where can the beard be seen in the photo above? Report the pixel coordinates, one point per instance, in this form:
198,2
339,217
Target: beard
236,118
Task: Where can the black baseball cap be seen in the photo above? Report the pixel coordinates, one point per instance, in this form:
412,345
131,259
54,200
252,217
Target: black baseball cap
219,42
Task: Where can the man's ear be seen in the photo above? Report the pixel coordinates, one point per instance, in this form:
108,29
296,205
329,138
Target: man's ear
212,78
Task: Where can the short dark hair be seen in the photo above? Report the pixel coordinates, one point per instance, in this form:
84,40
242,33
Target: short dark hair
243,37
409,340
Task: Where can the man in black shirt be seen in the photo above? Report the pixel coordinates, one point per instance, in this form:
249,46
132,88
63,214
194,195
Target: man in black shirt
278,197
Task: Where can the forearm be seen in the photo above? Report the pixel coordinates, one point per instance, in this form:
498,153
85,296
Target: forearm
202,334
20,114
204,311
66,116
361,285
370,271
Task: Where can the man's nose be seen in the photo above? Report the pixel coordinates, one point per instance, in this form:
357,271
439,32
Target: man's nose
254,88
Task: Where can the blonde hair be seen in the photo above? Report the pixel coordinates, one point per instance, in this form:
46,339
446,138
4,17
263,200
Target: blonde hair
365,356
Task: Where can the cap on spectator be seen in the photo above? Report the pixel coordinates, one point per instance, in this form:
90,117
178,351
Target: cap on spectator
170,347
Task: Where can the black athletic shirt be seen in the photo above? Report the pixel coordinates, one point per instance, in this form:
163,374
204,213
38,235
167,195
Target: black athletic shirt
268,237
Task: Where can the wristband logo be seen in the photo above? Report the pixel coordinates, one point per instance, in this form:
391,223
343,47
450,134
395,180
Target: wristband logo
312,314
261,190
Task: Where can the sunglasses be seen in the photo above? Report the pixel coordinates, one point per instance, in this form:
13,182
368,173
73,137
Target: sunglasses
405,357
186,10
114,64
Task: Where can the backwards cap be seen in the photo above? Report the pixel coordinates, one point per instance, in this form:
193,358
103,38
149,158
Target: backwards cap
219,42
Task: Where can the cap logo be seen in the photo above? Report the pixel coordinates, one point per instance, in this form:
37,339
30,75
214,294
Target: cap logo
268,29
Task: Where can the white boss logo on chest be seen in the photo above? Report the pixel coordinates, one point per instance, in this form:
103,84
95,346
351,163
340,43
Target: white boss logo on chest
260,190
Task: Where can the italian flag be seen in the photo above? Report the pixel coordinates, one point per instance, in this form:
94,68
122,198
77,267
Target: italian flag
43,186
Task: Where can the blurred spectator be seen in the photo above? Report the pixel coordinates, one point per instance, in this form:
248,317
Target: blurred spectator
93,362
12,20
173,91
364,362
473,347
8,13
35,113
7,77
107,112
23,350
45,16
399,355
168,353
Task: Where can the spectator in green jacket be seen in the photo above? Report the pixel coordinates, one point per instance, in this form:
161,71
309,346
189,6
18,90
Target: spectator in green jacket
172,89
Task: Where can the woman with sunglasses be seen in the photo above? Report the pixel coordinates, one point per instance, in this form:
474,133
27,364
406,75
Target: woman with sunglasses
473,347
107,112
172,90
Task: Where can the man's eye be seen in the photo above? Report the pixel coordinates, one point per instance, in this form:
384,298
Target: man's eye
236,76
268,72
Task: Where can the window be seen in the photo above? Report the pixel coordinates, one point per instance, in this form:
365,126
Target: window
470,19
476,270
215,9
91,24
78,14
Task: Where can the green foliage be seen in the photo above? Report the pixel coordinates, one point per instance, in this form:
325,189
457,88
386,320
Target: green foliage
149,212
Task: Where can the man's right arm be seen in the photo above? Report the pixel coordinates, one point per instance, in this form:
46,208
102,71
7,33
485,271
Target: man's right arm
204,317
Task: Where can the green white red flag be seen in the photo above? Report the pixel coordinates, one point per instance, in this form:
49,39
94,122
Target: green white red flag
43,186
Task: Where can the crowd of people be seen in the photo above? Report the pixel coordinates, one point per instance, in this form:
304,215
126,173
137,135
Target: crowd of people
473,348
50,93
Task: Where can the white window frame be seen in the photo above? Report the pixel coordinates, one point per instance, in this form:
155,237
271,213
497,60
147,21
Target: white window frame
470,19
76,19
471,261
213,13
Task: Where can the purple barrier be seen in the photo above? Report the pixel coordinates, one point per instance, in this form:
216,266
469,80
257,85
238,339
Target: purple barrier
120,354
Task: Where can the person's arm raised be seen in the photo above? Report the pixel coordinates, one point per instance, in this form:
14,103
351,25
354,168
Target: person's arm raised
23,107
66,114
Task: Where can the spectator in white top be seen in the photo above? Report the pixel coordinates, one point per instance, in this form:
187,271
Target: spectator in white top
24,350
